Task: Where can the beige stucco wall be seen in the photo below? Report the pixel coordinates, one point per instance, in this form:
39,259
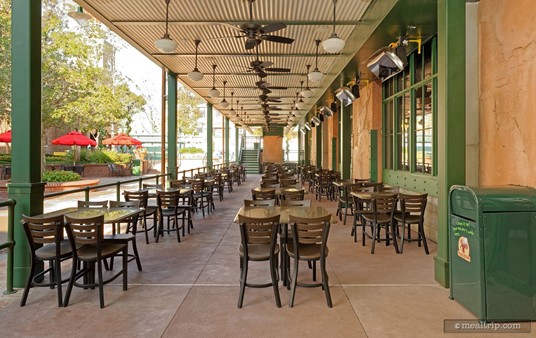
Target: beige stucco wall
272,149
507,41
366,115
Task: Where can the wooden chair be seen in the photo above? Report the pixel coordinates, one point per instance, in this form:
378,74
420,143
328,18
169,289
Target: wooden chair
202,198
294,195
263,195
86,234
360,207
296,203
383,208
412,208
129,236
258,243
168,207
92,204
259,203
309,243
46,243
148,211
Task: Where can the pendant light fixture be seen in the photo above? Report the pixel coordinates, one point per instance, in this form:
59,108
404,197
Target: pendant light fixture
213,92
224,103
299,104
307,92
79,15
165,44
334,44
307,125
316,75
196,75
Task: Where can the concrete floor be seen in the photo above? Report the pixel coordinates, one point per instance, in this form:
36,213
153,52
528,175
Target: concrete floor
190,289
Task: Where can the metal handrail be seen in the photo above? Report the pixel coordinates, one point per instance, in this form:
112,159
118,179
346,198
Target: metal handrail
10,244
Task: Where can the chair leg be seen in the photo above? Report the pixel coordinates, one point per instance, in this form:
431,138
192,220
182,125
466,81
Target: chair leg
325,281
275,281
101,285
314,270
57,271
402,237
145,228
374,235
71,282
28,284
294,282
243,278
136,255
421,231
160,228
125,268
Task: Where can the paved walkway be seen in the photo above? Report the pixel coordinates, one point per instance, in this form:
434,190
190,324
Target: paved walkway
190,289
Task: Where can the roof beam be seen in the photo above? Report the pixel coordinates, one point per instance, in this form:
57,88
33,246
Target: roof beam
120,23
201,55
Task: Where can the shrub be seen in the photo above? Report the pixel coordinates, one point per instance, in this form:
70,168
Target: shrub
105,156
5,158
191,150
60,176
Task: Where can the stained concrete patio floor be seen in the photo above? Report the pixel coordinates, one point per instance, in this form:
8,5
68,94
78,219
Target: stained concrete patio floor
190,289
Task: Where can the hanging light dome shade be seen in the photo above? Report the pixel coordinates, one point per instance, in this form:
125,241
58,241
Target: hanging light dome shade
315,75
334,44
165,44
214,92
195,75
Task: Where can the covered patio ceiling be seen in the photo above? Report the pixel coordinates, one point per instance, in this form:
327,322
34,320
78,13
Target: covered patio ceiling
142,22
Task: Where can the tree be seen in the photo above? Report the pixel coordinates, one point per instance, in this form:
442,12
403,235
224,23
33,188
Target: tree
188,111
78,89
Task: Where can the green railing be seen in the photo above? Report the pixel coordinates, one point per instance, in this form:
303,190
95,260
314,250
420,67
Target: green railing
117,184
10,244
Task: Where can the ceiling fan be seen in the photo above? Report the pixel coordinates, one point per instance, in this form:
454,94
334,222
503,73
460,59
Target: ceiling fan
255,33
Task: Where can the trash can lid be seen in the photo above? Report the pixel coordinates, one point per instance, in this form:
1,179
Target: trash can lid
509,198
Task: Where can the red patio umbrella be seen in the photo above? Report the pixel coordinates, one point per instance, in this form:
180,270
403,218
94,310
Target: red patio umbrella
121,140
5,137
74,138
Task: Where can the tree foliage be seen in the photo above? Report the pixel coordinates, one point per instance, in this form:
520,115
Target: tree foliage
80,88
188,111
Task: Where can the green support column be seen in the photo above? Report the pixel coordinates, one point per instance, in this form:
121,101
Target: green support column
451,118
237,158
210,149
307,148
26,186
346,139
300,146
172,124
373,174
318,146
226,132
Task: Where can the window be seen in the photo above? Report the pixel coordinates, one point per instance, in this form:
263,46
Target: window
409,125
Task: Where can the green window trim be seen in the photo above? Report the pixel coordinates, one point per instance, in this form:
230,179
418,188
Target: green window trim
409,127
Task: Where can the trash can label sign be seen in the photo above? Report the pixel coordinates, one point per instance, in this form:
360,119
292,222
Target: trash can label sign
463,249
462,228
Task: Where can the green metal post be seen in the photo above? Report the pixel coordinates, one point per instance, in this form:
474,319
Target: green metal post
236,144
307,148
210,149
346,139
318,146
373,156
333,153
300,146
26,186
451,119
172,124
226,132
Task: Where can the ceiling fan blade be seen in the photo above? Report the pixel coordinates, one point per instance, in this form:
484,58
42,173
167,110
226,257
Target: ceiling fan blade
279,70
273,27
266,64
227,37
251,43
275,38
230,26
270,99
275,87
262,74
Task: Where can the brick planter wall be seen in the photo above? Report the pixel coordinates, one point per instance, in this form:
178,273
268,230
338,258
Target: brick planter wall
96,170
53,186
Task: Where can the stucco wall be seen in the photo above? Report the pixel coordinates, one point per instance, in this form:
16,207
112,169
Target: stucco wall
366,115
272,149
507,86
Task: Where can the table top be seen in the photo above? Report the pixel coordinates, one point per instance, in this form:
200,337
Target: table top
343,183
278,191
369,195
284,212
111,215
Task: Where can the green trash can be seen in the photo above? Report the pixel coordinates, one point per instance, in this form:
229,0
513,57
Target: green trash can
136,167
492,233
